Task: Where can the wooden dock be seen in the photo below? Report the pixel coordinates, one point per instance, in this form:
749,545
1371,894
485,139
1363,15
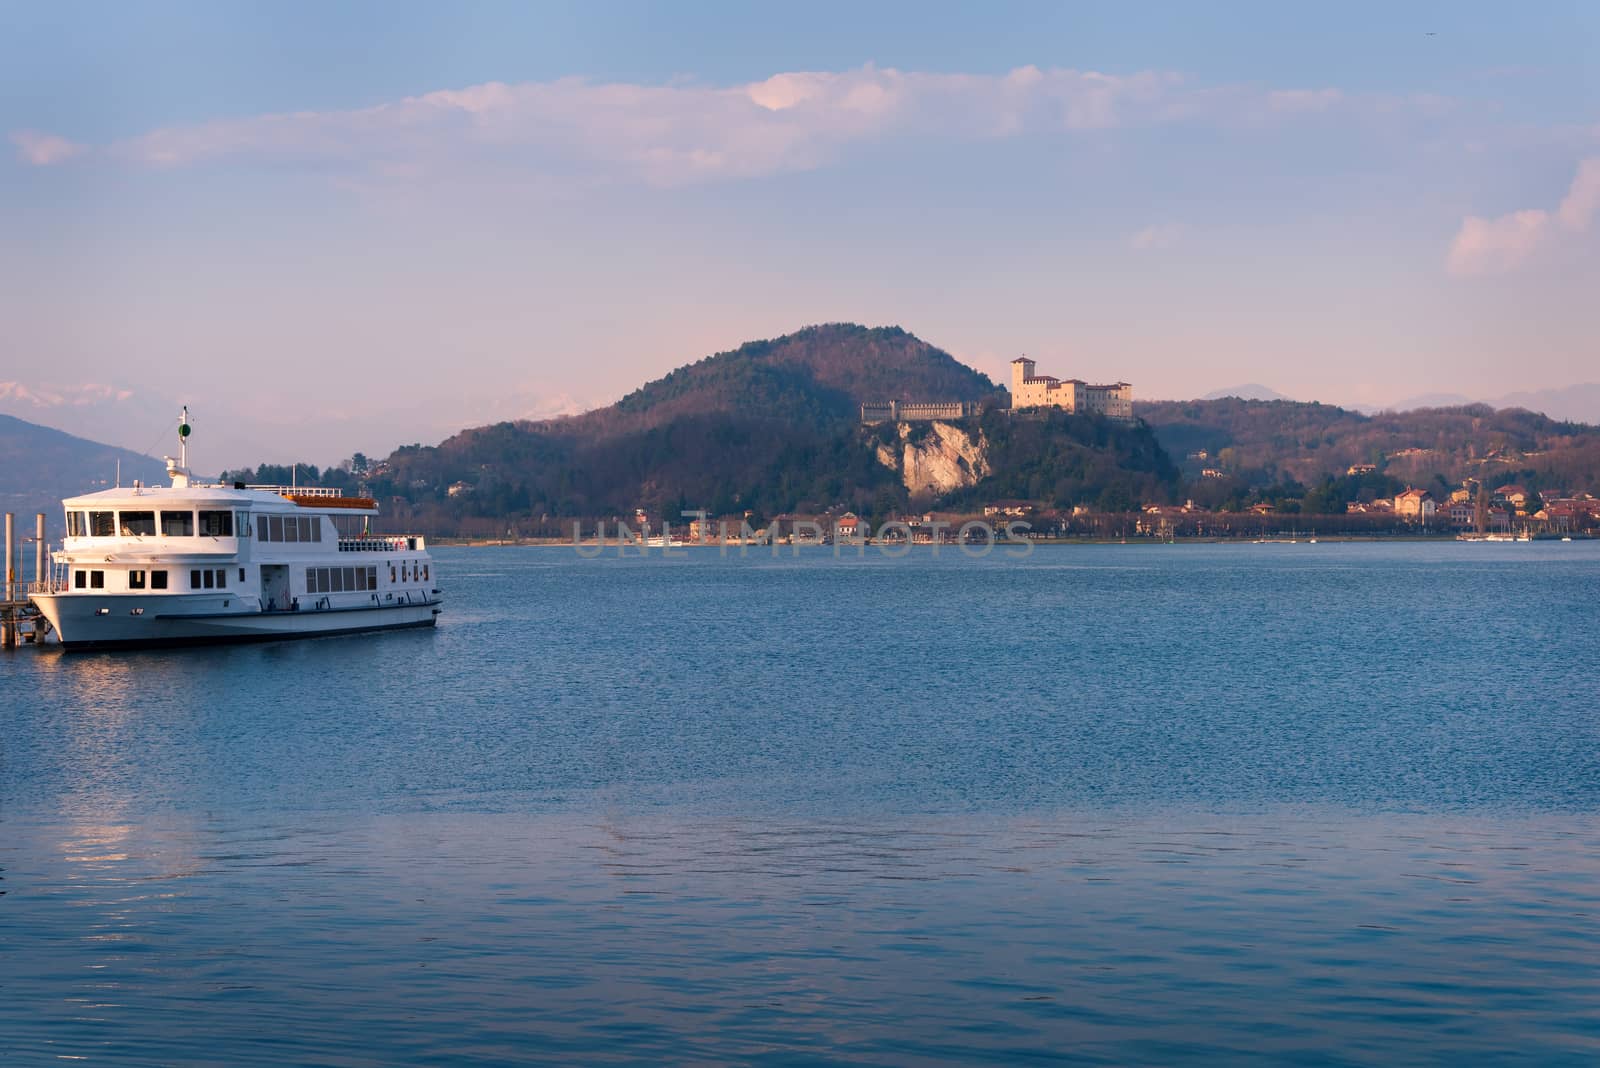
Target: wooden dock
21,622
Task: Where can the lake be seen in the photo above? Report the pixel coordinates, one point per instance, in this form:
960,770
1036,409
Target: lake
1315,804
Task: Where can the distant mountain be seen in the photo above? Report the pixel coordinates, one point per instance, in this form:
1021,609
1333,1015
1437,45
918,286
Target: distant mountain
1578,403
1249,391
1424,400
44,465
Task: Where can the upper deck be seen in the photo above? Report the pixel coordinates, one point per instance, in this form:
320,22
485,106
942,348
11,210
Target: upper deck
285,499
222,519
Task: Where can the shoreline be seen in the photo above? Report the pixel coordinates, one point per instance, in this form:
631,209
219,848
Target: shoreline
591,543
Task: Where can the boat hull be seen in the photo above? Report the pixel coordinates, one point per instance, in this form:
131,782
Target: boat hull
96,623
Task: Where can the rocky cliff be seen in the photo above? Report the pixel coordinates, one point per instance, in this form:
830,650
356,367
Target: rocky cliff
935,457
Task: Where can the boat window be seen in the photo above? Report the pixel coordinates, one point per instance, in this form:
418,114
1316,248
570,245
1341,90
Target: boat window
97,580
77,524
177,524
275,528
158,580
216,524
194,579
424,572
102,524
372,577
337,575
291,529
136,580
311,581
222,578
210,578
138,524
391,573
241,574
242,524
80,580
261,530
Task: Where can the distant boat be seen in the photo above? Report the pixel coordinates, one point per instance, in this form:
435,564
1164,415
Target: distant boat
1566,539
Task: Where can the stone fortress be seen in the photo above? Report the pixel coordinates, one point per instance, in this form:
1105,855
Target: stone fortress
916,411
1028,390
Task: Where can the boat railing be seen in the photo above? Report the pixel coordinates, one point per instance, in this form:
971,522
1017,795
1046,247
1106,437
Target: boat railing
300,491
22,590
380,543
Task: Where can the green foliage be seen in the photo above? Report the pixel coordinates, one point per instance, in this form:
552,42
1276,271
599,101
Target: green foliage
1064,460
1261,443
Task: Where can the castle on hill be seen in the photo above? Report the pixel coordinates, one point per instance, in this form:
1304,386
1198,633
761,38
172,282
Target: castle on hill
1029,390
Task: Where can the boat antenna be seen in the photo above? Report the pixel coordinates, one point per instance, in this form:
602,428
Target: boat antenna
119,472
183,438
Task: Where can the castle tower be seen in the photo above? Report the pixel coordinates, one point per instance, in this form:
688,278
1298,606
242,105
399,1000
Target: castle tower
1021,371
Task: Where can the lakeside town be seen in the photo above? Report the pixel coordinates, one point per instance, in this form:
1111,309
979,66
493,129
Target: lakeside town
1505,513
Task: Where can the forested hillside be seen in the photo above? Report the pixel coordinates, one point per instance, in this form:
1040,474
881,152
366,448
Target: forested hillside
44,465
1256,444
772,426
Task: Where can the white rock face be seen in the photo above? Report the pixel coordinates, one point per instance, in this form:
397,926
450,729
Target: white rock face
947,459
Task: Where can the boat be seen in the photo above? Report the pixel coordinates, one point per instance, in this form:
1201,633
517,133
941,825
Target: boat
195,563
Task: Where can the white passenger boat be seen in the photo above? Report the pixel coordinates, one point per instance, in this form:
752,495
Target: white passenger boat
194,564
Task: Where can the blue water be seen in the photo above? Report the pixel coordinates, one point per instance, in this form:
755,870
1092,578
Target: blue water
1331,804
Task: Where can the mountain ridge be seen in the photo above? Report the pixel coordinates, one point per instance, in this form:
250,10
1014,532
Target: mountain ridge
55,464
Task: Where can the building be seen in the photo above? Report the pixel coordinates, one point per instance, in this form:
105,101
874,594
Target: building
1355,470
916,411
1415,504
1029,390
849,527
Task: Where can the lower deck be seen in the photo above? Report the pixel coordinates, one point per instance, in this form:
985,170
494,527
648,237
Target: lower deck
116,622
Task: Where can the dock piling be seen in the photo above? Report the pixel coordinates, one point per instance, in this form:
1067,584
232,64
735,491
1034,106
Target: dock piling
8,625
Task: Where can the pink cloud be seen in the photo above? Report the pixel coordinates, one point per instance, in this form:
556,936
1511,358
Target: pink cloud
1507,242
679,133
42,149
1164,235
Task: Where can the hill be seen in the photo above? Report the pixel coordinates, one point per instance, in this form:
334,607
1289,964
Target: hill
772,426
1258,444
821,374
45,465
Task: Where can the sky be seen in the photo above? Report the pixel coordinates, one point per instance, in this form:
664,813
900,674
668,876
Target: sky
331,228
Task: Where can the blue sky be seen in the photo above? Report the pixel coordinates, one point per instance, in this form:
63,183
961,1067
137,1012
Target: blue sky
341,227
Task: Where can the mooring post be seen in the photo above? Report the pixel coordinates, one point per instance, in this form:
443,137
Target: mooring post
38,553
8,621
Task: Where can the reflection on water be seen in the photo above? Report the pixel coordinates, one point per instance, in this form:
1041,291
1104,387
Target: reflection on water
1317,937
1195,803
